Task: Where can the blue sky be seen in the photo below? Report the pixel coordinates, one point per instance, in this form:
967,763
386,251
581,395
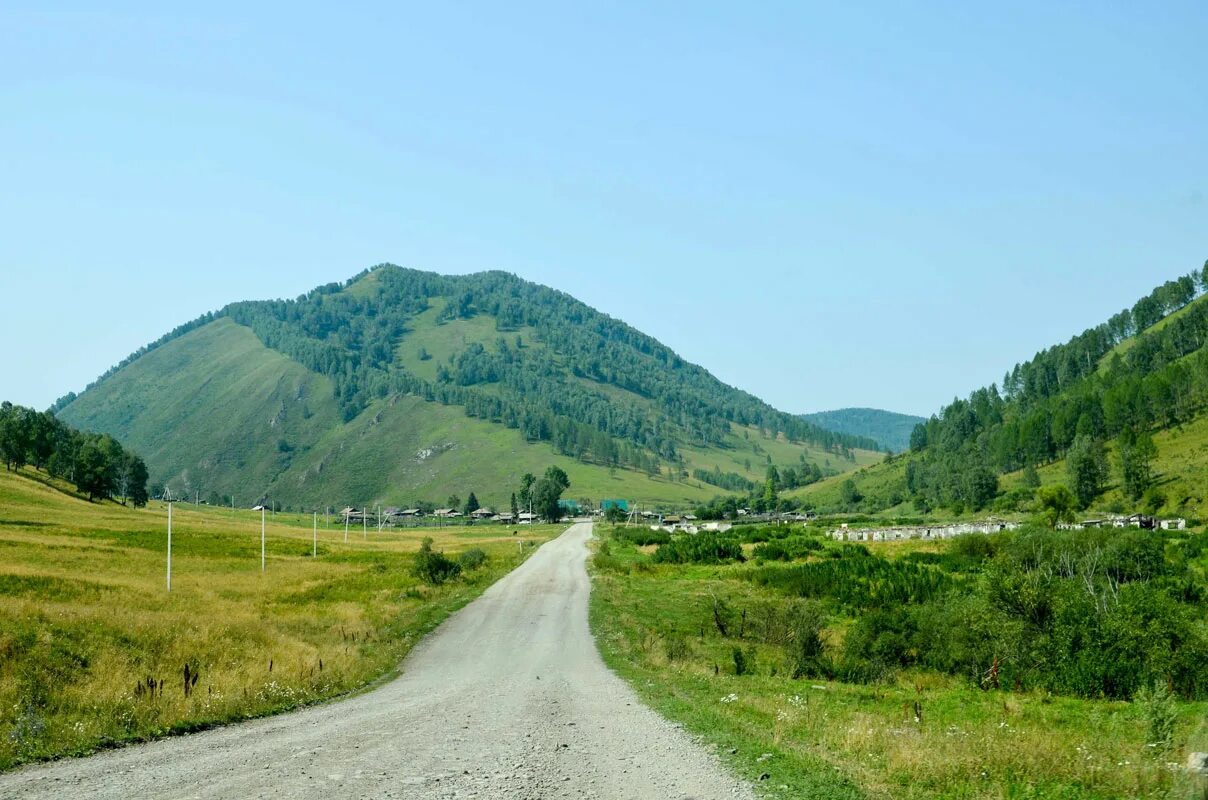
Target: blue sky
827,205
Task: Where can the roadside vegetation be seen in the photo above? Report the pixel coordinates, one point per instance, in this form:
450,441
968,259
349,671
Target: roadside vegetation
94,651
1027,664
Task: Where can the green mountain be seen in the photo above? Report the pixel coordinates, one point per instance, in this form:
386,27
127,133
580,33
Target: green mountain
889,429
1116,414
401,386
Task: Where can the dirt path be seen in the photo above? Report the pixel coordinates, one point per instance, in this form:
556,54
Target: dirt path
507,699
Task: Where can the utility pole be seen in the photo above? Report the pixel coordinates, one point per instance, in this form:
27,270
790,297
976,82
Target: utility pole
314,542
262,538
346,516
169,548
365,524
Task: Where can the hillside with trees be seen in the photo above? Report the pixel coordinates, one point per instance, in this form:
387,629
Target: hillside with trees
1090,409
95,463
888,429
396,382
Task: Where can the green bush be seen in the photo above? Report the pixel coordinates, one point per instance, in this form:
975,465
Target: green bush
640,537
787,549
432,567
703,548
473,558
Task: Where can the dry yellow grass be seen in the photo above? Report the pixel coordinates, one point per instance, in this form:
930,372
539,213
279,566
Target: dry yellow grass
93,649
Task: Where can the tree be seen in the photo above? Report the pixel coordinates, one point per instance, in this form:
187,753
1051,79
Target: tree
980,486
1086,468
471,504
558,476
526,488
94,470
1135,453
546,495
130,480
453,502
547,492
14,435
515,507
849,495
769,488
1031,478
1056,504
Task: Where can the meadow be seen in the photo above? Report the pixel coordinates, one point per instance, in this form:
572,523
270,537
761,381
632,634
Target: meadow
717,646
94,651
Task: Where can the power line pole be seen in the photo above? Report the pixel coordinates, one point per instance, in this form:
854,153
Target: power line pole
347,514
262,538
314,542
169,548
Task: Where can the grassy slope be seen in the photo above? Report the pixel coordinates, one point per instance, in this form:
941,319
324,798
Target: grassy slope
245,420
192,407
1180,471
827,739
84,615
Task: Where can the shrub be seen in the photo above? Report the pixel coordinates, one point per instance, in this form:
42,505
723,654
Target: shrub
473,558
807,621
431,566
787,549
676,647
740,662
640,537
702,548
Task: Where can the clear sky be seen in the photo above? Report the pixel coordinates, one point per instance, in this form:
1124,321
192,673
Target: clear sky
823,204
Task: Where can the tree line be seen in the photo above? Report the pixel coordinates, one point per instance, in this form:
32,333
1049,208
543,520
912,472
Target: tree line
1070,400
95,462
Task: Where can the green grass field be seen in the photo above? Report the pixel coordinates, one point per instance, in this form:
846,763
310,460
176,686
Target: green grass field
917,735
93,649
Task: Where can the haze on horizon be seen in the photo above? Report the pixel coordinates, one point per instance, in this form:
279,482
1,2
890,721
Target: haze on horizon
823,206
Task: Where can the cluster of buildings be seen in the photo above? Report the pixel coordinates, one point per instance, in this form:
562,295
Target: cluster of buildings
400,516
903,532
1135,521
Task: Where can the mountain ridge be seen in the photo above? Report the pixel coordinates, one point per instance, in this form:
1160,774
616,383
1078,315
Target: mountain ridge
890,429
543,366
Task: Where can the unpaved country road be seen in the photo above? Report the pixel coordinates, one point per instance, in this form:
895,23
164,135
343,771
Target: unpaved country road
507,699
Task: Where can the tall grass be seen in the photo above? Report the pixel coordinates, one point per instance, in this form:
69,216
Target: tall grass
94,651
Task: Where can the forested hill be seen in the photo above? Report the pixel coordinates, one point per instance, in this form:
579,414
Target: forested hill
500,350
889,429
1107,390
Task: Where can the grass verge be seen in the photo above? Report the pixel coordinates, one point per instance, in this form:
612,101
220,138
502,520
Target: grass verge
94,651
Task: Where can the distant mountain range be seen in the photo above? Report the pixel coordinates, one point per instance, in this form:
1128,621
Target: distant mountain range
889,429
400,386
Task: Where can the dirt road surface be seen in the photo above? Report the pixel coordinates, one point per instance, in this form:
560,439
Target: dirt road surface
507,699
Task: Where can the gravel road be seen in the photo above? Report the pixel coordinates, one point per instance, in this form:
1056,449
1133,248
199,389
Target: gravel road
507,699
